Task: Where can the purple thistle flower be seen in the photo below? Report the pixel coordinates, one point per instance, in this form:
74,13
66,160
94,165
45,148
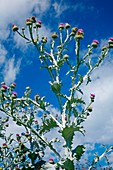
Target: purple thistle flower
61,26
96,41
80,31
17,135
4,86
14,93
39,22
50,159
92,95
111,38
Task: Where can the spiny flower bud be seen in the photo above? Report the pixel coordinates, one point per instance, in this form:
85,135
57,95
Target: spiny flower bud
74,29
28,21
37,97
95,43
44,40
6,104
27,88
18,137
13,85
4,88
29,137
38,24
27,133
15,28
61,26
110,42
7,124
33,19
79,34
54,35
23,28
65,57
4,145
90,109
45,115
36,122
51,161
92,96
67,26
14,94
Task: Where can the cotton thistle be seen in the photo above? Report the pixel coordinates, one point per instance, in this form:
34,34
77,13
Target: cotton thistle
61,26
54,35
38,24
79,34
28,22
95,43
15,27
110,42
67,26
92,96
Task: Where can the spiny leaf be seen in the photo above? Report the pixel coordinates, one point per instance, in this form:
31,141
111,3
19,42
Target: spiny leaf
77,100
68,164
48,124
68,134
78,151
80,78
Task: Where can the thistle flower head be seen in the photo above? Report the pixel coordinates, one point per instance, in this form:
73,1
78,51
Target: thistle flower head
74,29
79,34
92,95
13,85
90,109
110,42
4,86
14,93
37,97
44,40
54,35
51,161
33,19
17,135
4,145
15,27
94,43
38,24
61,26
28,21
67,26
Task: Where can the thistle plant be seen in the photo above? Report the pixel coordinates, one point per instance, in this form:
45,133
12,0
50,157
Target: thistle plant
54,57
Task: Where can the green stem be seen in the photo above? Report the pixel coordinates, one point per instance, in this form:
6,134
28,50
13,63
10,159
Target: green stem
23,36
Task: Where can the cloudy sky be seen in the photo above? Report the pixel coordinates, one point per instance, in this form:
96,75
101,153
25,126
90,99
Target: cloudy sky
19,62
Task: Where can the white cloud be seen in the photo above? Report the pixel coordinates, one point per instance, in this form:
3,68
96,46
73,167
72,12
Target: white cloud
3,53
17,12
99,125
11,69
60,8
78,6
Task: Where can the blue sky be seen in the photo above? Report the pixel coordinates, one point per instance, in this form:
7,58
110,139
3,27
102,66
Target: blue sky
19,62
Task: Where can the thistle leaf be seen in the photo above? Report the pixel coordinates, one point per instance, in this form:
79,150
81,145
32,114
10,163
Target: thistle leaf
78,151
48,124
